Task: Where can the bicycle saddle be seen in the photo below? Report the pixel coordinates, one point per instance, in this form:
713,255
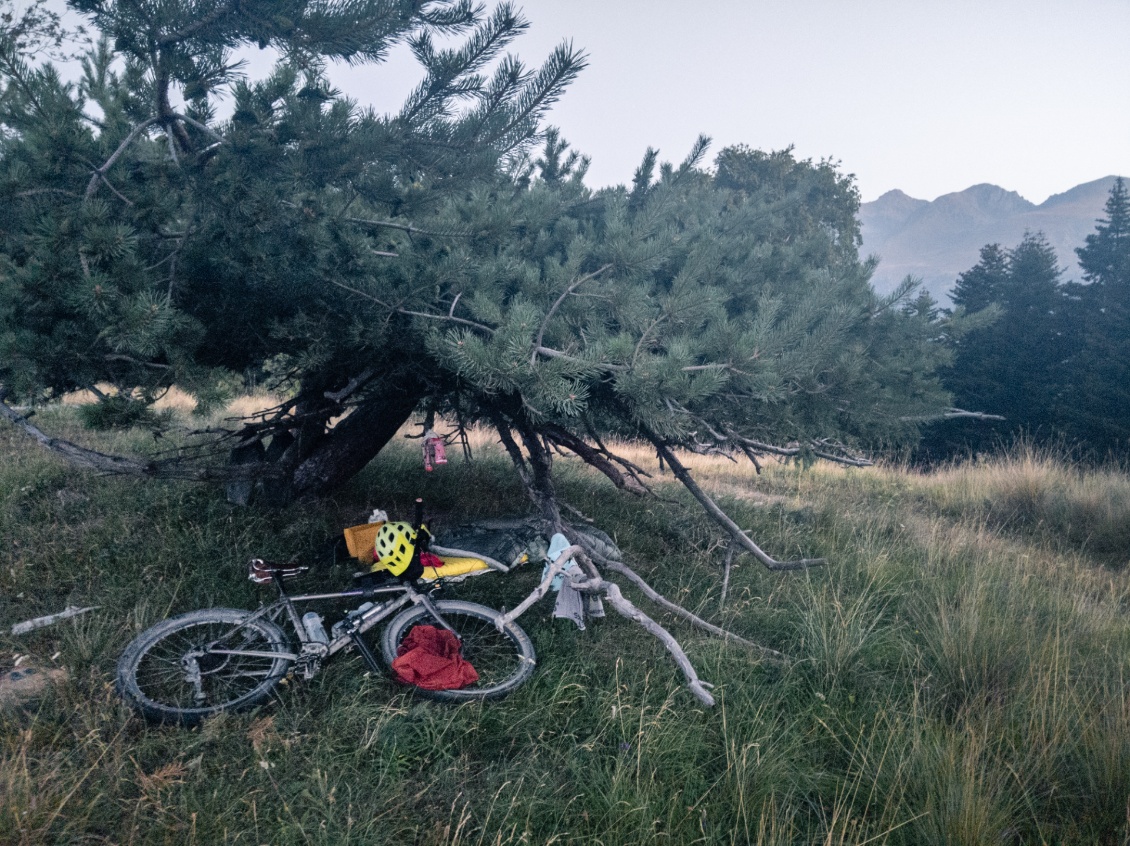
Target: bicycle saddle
263,572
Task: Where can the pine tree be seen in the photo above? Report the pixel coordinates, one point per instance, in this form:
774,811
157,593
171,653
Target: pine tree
1105,258
156,244
1098,384
1010,362
429,260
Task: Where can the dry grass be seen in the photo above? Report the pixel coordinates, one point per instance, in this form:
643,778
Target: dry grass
183,403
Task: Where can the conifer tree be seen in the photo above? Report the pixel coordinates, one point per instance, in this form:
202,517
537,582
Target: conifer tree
1010,361
428,260
1105,257
1097,387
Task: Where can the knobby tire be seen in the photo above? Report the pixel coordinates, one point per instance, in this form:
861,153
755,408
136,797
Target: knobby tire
153,679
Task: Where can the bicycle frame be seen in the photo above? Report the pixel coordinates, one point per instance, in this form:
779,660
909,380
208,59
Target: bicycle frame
310,649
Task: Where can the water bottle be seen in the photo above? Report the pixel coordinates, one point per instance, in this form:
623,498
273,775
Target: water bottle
315,631
350,619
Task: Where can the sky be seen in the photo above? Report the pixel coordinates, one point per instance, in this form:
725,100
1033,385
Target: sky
926,96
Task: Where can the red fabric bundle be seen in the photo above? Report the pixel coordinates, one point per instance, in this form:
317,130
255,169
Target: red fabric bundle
430,658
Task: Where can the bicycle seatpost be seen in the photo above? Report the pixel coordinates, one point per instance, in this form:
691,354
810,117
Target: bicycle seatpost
422,533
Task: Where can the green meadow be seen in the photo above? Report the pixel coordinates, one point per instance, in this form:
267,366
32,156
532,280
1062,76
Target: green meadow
958,671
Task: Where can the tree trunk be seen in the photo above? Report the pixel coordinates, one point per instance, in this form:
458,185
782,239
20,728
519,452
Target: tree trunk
343,451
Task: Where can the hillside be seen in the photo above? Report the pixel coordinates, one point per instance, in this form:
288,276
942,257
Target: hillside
938,240
957,670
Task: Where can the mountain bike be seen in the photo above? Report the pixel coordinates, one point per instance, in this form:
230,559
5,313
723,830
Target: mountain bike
198,664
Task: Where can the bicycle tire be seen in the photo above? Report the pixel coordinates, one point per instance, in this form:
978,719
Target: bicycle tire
152,680
503,659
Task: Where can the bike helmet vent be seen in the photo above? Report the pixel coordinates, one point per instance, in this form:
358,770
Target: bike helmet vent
394,546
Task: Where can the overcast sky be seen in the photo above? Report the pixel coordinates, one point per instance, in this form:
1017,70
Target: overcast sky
929,96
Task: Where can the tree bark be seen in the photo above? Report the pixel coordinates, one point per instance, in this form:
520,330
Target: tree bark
350,445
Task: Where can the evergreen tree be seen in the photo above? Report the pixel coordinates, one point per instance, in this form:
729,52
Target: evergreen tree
1105,258
154,244
429,259
1011,360
1098,385
982,285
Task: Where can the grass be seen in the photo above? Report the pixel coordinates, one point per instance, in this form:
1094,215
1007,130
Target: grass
960,676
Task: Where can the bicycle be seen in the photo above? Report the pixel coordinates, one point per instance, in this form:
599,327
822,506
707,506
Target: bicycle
198,664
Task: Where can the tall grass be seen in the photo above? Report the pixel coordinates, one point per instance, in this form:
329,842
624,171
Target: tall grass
959,669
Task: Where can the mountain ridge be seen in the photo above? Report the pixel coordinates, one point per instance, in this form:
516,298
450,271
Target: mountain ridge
938,240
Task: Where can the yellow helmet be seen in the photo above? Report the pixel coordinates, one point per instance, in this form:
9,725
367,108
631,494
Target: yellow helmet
394,545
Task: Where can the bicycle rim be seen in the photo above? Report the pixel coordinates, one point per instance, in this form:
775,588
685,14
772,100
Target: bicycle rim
170,676
503,659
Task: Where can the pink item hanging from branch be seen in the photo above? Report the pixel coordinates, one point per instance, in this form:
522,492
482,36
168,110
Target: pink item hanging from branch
435,453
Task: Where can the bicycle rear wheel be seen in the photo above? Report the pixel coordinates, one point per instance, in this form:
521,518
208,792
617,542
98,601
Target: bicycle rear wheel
171,674
503,659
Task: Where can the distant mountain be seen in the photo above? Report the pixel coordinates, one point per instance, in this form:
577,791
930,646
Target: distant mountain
936,241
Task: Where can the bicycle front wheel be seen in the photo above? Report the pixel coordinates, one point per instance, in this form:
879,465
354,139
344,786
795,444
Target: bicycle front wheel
503,659
198,664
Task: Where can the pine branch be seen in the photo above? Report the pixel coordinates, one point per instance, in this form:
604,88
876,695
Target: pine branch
117,465
558,302
594,458
201,23
100,173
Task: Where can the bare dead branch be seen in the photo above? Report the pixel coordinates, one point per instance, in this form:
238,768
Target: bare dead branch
611,591
197,124
100,173
952,414
35,191
617,600
721,517
752,456
726,566
409,228
351,387
678,610
594,458
820,448
554,570
117,465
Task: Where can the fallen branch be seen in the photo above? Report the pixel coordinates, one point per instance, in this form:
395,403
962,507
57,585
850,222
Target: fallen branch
51,619
554,570
692,618
611,592
616,599
722,518
116,465
726,567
